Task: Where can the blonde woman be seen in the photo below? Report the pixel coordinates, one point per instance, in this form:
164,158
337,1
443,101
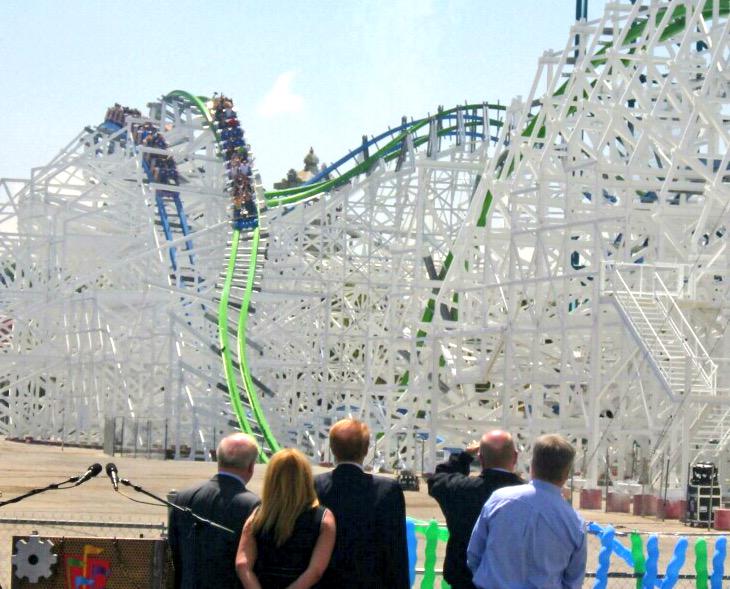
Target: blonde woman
287,542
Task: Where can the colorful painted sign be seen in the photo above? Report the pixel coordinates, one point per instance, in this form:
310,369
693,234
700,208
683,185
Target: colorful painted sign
87,571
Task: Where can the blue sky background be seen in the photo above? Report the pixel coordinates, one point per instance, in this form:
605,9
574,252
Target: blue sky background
318,73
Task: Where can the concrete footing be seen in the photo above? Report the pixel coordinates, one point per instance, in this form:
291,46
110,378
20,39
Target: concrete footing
590,499
671,509
645,504
618,502
722,518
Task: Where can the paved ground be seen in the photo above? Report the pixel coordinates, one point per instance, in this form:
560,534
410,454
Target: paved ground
27,466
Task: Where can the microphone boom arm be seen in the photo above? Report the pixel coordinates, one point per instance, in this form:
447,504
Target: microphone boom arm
51,487
186,510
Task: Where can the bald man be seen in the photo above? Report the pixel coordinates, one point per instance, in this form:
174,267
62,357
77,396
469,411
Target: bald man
461,497
370,511
203,556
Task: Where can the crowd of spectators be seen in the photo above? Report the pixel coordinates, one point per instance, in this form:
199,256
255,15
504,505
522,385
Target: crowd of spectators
345,528
238,164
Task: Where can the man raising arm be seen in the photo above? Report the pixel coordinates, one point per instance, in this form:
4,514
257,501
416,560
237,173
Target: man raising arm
462,497
528,535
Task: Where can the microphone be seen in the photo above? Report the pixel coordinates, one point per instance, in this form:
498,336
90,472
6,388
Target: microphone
90,473
113,474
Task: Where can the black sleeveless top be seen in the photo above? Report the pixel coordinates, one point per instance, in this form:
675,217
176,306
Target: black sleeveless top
278,567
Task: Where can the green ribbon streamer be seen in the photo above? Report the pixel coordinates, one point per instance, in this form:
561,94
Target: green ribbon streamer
433,533
701,564
637,553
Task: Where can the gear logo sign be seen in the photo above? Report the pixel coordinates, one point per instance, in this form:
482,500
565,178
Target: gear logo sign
88,570
34,558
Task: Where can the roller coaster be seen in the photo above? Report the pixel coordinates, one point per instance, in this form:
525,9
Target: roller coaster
555,264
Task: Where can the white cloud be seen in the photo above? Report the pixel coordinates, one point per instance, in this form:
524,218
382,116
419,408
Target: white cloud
280,99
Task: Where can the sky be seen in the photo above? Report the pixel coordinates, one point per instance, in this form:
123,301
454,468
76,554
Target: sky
320,73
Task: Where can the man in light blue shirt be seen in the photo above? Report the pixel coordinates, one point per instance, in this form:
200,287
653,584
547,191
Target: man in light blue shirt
528,537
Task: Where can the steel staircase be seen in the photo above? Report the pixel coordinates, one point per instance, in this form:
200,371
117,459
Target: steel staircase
672,348
650,311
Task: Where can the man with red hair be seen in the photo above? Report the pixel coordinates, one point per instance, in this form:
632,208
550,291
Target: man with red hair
370,548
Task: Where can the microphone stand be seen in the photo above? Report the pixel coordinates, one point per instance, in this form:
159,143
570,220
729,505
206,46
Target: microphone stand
51,487
198,518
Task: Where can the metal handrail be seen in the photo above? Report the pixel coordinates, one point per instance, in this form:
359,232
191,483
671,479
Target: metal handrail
628,291
695,351
711,377
679,268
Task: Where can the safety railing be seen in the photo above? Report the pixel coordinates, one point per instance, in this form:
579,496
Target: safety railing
637,287
641,279
701,361
615,559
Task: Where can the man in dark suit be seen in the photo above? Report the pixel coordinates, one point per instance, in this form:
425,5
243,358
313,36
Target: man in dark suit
370,547
462,497
204,556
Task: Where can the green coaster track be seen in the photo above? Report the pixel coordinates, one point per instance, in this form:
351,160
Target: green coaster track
248,409
243,394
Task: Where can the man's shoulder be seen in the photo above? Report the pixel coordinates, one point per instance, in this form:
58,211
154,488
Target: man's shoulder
493,474
323,479
193,490
343,473
357,479
323,476
386,483
486,480
380,479
492,480
513,493
246,498
387,492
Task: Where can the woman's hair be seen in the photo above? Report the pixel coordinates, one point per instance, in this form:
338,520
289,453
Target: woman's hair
288,491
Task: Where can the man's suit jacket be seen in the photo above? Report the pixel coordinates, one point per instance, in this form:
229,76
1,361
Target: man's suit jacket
204,557
461,499
370,548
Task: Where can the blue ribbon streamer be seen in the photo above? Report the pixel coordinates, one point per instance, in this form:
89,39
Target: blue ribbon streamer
604,558
412,543
652,562
718,563
675,564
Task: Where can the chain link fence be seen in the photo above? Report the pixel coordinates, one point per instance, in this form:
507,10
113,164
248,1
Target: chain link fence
629,581
50,525
96,526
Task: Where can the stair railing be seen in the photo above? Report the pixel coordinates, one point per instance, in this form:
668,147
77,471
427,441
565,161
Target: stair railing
621,290
691,343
